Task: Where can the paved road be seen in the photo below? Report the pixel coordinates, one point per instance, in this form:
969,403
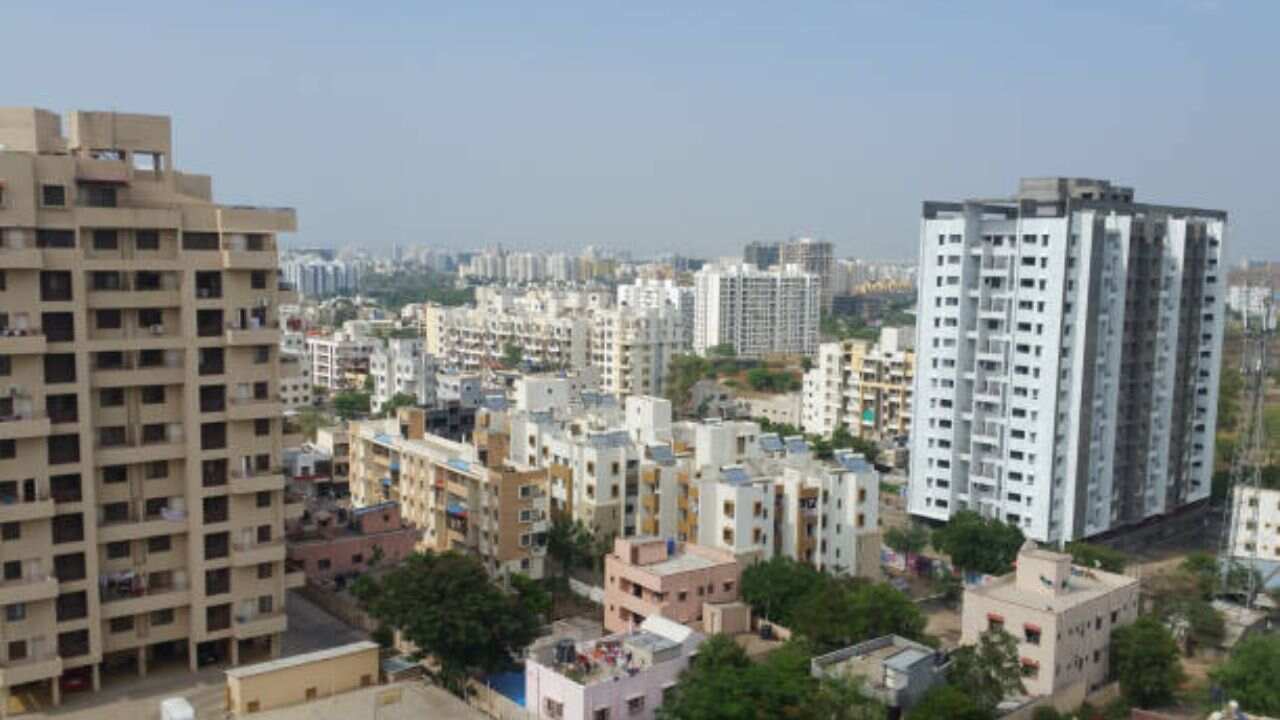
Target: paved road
310,628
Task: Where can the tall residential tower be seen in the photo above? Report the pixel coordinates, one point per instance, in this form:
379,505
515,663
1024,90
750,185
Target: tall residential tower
141,499
1067,358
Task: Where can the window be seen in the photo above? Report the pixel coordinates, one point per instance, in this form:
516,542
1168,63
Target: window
1030,668
159,544
11,531
265,604
264,498
262,427
635,705
600,714
117,550
311,693
553,709
16,612
1032,634
152,394
265,570
995,622
105,240
122,624
162,617
109,319
6,365
53,195
17,650
157,469
147,240
8,449
322,564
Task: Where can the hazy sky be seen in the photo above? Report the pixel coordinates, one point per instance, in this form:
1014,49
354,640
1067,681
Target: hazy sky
684,126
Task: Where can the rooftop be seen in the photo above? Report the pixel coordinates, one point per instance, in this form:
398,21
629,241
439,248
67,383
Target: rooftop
398,701
303,659
1084,585
613,657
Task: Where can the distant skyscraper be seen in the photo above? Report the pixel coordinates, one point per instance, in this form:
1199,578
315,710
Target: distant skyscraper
1067,358
761,254
813,256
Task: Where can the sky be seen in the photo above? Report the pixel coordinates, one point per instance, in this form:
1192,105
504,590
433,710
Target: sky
687,127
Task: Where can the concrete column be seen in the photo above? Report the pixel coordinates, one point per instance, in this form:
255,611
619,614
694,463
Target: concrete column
277,640
235,652
4,702
192,660
142,661
56,691
97,678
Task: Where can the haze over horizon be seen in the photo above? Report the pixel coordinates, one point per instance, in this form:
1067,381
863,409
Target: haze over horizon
670,128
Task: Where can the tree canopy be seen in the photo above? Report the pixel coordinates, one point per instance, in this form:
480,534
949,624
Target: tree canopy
980,544
775,587
947,702
350,404
445,604
723,684
1097,556
1251,676
569,543
910,540
1144,659
989,671
512,354
845,612
396,402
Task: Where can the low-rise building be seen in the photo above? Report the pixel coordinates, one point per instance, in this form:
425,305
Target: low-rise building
1255,532
1061,615
624,675
402,368
890,669
653,577
337,357
301,678
777,408
343,542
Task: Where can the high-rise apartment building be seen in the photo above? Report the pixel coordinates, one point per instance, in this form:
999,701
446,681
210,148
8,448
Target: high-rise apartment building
632,347
666,293
815,257
140,424
402,368
1069,342
757,312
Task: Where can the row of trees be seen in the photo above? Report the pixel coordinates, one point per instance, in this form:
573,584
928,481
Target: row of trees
823,447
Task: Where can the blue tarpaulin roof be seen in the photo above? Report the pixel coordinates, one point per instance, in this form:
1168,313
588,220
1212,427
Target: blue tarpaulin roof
457,509
459,464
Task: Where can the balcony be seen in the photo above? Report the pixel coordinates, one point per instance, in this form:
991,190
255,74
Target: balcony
23,342
126,453
294,506
251,408
256,481
18,672
129,374
13,427
287,294
259,624
162,298
103,170
145,601
166,523
15,509
21,258
267,334
294,577
245,554
28,589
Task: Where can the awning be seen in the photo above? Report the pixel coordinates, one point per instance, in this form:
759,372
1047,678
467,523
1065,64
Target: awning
993,617
1028,662
1031,627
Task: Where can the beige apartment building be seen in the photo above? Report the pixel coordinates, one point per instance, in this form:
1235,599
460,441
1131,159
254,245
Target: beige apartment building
464,497
1062,616
864,386
141,499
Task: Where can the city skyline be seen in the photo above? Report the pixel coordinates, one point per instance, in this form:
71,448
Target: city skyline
680,130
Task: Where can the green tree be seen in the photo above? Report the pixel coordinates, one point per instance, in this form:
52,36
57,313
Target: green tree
1097,556
396,402
1144,659
512,354
947,702
984,545
683,371
368,383
351,404
910,541
989,671
446,606
723,350
774,588
806,363
711,688
843,613
569,543
310,420
1251,676
1181,596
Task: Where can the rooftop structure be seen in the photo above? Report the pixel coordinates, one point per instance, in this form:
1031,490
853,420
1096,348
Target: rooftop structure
652,577
892,669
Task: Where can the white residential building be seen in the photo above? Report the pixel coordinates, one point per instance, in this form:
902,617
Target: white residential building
632,347
758,312
1255,536
333,356
864,386
402,367
1067,362
295,380
666,293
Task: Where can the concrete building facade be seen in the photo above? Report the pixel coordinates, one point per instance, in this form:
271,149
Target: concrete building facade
864,386
1069,344
757,312
141,423
655,577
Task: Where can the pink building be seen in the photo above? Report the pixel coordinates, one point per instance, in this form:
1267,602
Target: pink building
651,577
328,547
621,676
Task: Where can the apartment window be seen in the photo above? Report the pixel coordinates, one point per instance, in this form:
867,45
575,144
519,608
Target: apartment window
152,395
258,280
111,397
8,449
995,622
53,195
17,650
265,604
105,240
117,550
323,564
6,366
159,544
265,570
1030,668
1031,634
11,531
16,612
157,469
635,705
264,499
147,239
122,624
553,709
600,714
55,286
162,617
262,427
